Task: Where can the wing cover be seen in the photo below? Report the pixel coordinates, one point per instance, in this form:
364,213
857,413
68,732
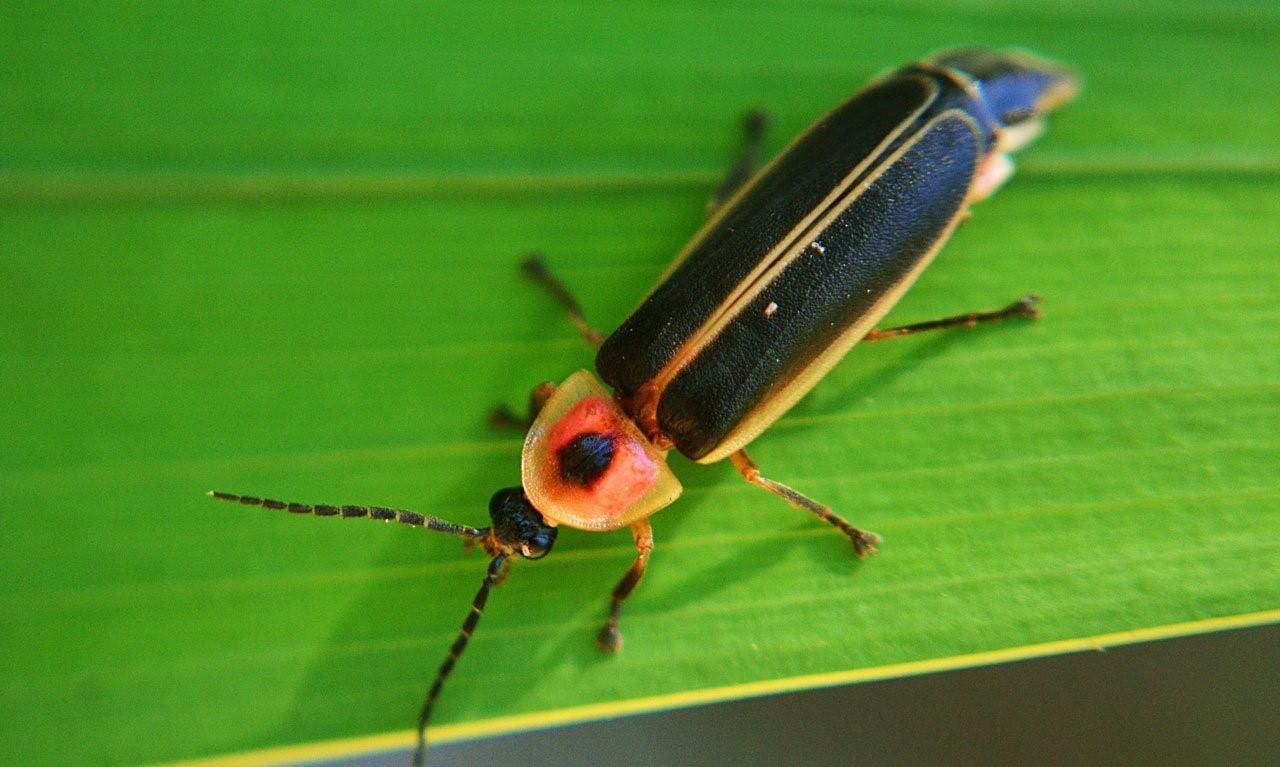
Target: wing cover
715,265
866,252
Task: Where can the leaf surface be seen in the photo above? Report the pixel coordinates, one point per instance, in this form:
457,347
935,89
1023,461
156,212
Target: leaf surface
271,249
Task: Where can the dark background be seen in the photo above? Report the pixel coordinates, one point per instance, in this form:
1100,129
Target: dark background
1210,699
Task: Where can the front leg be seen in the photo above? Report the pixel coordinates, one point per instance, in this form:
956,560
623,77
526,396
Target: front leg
503,417
610,639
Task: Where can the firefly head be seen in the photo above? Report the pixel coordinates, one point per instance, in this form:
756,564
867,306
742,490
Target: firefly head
518,525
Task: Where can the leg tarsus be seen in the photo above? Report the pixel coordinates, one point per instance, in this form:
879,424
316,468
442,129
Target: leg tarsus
1028,306
610,639
502,417
535,268
754,125
864,541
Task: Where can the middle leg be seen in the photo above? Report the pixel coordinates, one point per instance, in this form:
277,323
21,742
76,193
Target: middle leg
754,125
535,268
864,541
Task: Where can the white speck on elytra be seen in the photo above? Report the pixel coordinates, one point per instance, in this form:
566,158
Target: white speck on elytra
771,309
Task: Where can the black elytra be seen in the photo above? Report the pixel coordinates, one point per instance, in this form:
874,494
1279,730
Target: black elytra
585,458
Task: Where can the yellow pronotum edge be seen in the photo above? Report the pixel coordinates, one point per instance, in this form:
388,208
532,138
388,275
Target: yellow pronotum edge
350,747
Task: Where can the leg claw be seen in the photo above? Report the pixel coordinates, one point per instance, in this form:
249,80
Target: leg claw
864,543
1027,306
609,639
502,417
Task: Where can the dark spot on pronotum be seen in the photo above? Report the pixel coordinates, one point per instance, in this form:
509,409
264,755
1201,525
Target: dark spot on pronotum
585,458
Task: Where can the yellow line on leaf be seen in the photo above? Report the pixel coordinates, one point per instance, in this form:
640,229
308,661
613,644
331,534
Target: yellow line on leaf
352,747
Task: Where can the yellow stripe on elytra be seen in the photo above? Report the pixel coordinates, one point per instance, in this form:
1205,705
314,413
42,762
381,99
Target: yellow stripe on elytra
782,400
786,249
351,747
713,221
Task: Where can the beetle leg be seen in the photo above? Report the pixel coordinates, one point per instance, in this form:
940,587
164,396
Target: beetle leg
610,639
864,541
536,269
754,125
1027,306
503,417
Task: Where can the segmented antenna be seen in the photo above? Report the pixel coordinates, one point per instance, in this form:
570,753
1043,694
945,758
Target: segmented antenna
495,574
411,518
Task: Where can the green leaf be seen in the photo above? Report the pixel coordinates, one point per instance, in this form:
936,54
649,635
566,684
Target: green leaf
271,249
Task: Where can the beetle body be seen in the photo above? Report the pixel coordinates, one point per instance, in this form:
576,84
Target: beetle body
794,266
830,233
807,257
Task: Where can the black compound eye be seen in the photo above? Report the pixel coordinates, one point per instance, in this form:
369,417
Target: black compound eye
585,458
517,524
537,547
